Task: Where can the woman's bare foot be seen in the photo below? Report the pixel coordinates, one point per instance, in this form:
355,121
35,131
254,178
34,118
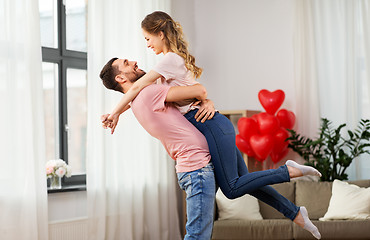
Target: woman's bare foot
304,222
298,170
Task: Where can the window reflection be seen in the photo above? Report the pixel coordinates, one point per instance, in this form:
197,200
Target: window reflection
48,23
77,118
76,25
50,79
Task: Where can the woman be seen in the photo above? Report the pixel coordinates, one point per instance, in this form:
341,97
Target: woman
177,68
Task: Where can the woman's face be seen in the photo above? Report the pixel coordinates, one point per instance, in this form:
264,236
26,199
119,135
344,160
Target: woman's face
155,42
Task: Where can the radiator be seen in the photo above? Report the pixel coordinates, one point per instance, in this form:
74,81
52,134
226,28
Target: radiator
74,229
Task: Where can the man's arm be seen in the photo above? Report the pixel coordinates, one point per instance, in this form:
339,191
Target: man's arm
179,93
206,110
198,91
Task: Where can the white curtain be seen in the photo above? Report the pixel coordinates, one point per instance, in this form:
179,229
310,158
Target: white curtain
336,53
306,81
23,194
131,183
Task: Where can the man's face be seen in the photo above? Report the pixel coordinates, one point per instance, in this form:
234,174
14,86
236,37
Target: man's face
129,69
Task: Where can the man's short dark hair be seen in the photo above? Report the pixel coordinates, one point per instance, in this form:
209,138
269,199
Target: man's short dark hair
108,74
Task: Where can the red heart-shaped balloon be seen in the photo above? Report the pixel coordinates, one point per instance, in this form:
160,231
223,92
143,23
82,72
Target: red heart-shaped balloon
254,117
267,123
277,156
271,101
262,145
244,146
247,127
279,140
286,118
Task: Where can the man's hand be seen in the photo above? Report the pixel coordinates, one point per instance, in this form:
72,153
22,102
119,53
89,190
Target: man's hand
206,110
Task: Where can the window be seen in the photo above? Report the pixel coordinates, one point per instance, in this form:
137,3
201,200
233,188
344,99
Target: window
63,25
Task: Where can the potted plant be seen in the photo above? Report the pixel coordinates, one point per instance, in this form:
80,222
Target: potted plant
332,152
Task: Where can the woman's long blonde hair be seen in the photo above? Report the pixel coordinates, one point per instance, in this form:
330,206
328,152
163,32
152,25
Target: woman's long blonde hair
160,21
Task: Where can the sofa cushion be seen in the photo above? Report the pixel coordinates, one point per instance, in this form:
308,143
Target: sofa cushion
243,208
315,196
348,201
361,183
257,229
285,189
337,229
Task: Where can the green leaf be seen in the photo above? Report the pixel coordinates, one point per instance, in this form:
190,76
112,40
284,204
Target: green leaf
331,153
350,133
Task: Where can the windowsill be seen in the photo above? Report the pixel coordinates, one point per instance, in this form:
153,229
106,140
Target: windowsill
72,188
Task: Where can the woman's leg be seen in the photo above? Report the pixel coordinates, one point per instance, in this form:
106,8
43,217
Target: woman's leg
299,216
270,196
226,159
232,175
242,167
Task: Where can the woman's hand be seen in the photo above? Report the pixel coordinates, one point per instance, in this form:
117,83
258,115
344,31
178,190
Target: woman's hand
113,120
110,121
104,121
206,110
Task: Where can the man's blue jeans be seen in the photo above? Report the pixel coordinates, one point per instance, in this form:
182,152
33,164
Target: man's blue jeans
200,188
231,173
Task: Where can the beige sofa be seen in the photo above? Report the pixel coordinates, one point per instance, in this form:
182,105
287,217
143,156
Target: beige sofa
315,196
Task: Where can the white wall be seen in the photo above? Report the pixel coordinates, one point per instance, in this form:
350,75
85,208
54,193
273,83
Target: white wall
67,206
243,46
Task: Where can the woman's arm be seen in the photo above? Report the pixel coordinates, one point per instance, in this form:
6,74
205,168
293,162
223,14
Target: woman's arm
144,81
147,79
111,122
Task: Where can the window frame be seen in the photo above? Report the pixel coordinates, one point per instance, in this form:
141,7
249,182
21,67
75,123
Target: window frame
65,59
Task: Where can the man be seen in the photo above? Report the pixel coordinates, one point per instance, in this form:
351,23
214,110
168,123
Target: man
183,142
